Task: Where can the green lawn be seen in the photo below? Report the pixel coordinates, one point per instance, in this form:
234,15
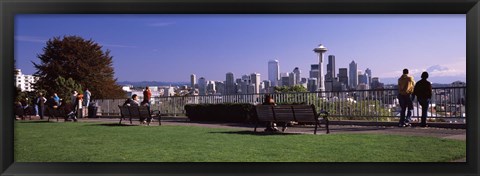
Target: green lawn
95,142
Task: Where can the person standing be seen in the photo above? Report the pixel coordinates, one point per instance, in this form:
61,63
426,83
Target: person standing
56,98
86,101
405,90
423,92
147,94
79,105
73,97
41,100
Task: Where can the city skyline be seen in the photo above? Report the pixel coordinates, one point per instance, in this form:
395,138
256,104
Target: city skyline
172,47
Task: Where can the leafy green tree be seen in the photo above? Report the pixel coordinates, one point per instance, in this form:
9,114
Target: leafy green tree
82,60
290,89
65,87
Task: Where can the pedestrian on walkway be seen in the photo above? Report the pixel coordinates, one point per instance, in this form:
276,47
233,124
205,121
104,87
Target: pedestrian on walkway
405,90
41,100
423,92
147,94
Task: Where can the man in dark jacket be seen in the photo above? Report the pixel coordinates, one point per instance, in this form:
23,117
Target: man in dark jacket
423,91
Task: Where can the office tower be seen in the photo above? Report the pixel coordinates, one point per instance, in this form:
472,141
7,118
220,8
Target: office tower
229,84
285,79
255,78
193,80
211,87
202,86
320,50
312,84
376,84
330,68
329,77
353,75
273,72
292,79
267,85
219,87
369,72
343,76
313,71
296,73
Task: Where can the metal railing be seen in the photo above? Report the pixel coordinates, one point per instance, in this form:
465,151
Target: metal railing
446,103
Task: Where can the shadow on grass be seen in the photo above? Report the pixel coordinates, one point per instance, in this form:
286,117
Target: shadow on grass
258,133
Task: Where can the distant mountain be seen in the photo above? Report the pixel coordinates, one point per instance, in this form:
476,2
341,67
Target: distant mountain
151,83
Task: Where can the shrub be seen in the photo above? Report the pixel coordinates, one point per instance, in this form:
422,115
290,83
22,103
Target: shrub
228,112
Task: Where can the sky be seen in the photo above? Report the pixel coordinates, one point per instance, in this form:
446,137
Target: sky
167,47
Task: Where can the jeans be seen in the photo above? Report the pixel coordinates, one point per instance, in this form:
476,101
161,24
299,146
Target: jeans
424,103
405,103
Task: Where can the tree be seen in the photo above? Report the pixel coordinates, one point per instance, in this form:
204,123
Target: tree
290,89
81,60
65,87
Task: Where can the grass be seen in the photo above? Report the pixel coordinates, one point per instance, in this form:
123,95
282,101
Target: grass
37,141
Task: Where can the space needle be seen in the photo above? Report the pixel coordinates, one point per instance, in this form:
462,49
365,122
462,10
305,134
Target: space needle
320,50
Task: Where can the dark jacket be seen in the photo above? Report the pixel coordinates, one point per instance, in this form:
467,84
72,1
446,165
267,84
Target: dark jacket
423,89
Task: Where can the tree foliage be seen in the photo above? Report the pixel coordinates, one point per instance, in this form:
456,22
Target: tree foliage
64,88
83,61
290,89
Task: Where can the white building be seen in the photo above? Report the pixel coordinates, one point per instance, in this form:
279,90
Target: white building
168,91
273,72
25,82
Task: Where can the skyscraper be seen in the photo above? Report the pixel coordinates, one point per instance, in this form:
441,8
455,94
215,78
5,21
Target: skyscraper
330,68
369,72
285,79
267,85
292,79
343,76
296,73
314,72
193,80
229,84
273,72
353,76
329,77
202,86
312,84
255,78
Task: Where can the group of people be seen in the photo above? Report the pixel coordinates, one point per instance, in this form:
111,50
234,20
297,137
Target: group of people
133,101
407,91
78,105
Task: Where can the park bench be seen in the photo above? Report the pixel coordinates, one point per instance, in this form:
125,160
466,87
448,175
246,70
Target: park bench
288,113
137,112
55,113
21,112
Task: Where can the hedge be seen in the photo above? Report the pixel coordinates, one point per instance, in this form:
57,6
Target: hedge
228,112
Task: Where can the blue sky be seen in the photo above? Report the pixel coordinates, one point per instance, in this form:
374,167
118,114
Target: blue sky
171,47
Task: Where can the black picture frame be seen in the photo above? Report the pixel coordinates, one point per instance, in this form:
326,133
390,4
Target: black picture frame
10,8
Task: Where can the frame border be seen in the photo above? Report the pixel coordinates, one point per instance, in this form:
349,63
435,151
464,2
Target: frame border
9,8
